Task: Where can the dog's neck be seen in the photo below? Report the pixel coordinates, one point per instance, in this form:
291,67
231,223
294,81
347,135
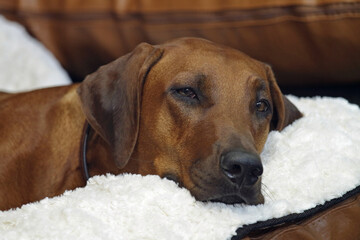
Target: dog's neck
99,157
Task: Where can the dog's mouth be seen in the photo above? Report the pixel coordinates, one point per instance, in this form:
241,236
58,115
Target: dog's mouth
236,199
234,196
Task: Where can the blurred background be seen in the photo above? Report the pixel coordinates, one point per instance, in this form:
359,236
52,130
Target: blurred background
313,46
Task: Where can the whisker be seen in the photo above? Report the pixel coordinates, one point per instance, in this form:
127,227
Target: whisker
267,192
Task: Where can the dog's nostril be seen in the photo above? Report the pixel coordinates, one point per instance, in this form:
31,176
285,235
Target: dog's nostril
236,168
231,167
233,171
254,175
257,172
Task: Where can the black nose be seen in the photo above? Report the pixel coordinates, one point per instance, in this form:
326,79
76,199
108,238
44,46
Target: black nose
241,167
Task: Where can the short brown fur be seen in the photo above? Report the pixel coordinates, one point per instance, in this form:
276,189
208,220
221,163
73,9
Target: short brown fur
142,123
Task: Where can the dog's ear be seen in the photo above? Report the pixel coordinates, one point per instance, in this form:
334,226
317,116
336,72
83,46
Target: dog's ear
111,99
284,112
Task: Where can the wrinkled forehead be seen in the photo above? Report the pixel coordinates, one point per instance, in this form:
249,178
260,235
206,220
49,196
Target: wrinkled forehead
198,57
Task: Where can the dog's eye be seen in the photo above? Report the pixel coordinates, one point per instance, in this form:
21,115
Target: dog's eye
187,92
262,106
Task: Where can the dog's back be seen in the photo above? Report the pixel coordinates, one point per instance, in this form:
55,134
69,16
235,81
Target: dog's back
30,143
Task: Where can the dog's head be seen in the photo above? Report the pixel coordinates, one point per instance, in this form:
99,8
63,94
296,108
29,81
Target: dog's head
191,111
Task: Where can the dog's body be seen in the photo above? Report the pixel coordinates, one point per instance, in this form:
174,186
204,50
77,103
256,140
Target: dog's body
189,110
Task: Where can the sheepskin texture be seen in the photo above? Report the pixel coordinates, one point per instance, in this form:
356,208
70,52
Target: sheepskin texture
25,64
315,159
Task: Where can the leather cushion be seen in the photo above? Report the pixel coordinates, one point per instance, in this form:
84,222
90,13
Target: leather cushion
339,222
305,42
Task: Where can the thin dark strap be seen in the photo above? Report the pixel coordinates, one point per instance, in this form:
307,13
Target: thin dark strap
86,132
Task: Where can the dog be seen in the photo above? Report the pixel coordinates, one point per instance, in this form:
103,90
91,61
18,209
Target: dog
189,110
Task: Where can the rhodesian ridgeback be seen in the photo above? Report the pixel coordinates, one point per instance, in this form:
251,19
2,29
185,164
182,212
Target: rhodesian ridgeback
188,110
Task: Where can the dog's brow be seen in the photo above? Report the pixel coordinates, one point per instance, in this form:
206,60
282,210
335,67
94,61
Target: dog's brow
258,83
200,76
191,78
200,79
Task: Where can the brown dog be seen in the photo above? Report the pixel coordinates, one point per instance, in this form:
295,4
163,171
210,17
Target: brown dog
188,110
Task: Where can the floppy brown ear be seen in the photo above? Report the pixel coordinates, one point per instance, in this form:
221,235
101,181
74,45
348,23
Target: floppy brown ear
111,99
284,112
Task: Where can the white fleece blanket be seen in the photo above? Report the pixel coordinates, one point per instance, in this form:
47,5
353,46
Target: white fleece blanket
25,64
315,159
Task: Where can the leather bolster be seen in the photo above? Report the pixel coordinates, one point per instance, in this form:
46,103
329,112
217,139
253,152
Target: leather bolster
338,222
305,42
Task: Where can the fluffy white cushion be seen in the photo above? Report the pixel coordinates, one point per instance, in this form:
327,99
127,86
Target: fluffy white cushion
24,63
315,159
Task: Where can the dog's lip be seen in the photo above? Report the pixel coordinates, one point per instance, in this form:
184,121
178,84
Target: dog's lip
237,199
228,199
171,177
